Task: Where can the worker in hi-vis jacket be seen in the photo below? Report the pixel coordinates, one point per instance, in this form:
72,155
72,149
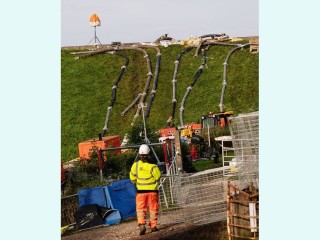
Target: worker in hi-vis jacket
145,176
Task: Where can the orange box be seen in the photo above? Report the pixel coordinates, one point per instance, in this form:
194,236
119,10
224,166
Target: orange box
86,147
165,132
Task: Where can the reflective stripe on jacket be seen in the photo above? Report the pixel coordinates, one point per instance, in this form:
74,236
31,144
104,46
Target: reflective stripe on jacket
145,175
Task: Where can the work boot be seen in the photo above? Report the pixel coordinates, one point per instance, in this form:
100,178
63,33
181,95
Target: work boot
155,229
142,229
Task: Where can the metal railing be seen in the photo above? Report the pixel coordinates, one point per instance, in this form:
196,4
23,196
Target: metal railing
199,198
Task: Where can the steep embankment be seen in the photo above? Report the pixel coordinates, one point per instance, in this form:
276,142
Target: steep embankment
86,89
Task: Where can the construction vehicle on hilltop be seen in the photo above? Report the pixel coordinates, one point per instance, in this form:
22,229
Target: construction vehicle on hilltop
215,119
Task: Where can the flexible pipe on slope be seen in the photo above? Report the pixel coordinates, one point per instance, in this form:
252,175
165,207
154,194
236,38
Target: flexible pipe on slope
132,104
114,91
174,83
155,82
197,76
146,86
225,64
141,96
224,83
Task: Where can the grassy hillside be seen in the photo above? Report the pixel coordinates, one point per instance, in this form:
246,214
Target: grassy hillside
86,90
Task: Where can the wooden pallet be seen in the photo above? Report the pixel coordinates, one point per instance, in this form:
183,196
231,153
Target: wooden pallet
254,48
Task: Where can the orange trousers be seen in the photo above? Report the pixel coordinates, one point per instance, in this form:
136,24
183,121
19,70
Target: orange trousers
143,200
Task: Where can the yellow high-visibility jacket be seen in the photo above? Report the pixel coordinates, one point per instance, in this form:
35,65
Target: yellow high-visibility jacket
145,175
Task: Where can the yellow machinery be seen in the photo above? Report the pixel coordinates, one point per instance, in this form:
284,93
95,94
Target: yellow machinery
216,119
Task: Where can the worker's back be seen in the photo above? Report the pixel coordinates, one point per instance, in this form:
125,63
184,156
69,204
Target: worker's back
145,175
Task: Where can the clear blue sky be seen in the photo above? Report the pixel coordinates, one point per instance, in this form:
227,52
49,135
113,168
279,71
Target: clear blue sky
146,20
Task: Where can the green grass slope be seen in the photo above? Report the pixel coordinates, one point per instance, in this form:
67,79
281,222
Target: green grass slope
86,90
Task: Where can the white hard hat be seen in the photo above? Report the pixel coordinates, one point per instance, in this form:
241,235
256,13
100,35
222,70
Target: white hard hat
144,149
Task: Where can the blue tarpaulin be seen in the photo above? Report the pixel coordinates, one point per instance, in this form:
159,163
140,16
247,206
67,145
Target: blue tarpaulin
94,195
121,195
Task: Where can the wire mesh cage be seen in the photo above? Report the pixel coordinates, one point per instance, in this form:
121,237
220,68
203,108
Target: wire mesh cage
199,198
244,131
69,205
243,193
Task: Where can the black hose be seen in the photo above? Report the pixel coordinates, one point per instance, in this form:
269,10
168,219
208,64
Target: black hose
197,76
174,81
146,86
116,82
114,91
225,64
213,35
173,110
155,83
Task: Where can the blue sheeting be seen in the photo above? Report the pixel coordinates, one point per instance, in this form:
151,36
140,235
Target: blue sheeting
94,195
113,218
121,195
